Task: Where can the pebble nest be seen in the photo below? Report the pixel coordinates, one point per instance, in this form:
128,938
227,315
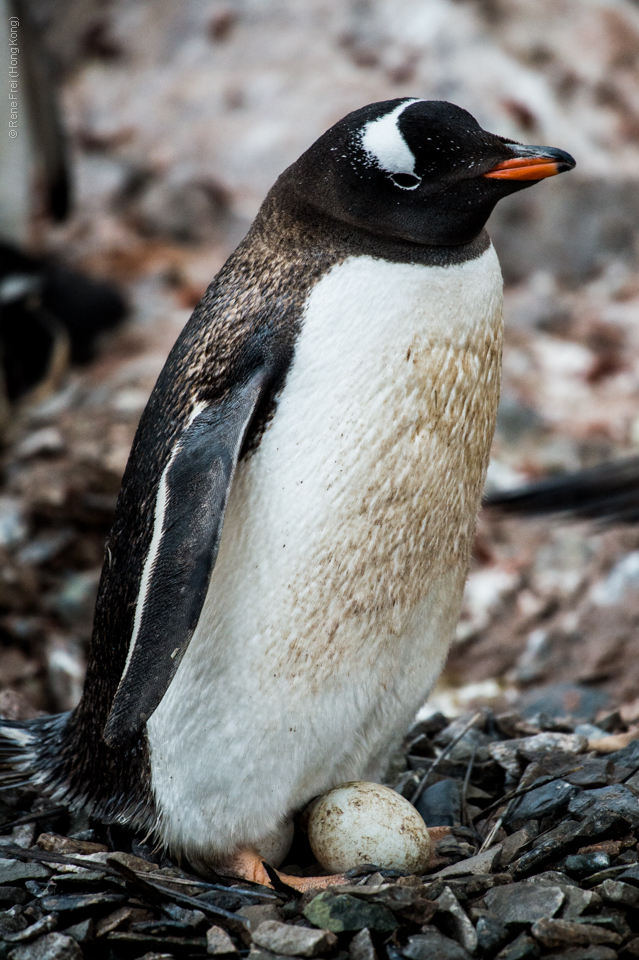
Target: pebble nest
538,857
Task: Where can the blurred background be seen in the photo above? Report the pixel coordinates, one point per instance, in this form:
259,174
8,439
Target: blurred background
148,134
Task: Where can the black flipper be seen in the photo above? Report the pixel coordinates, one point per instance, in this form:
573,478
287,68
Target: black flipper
608,493
189,513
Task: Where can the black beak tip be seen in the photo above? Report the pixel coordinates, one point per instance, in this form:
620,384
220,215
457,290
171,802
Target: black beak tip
565,161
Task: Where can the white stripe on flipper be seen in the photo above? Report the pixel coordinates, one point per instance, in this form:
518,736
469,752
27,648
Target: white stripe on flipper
384,143
158,529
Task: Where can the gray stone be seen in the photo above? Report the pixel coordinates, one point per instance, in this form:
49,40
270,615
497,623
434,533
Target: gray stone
430,944
491,935
11,870
544,801
293,941
12,921
613,891
631,875
584,864
361,946
598,772
480,864
190,918
256,953
341,912
55,946
616,800
550,744
558,933
14,895
552,844
578,901
44,925
522,948
440,804
505,753
554,878
219,944
523,902
257,913
512,845
69,902
81,932
591,952
455,922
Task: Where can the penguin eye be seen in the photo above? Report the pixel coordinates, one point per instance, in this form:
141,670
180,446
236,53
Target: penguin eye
406,181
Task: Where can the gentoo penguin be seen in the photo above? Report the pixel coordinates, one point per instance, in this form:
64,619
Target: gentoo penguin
292,537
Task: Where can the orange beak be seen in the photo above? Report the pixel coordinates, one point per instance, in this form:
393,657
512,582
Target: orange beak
526,168
533,163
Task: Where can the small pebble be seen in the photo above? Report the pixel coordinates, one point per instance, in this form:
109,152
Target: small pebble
219,944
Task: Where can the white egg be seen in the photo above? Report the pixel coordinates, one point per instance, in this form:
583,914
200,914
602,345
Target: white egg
360,822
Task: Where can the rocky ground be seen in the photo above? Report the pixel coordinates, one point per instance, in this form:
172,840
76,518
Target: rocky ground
539,858
179,118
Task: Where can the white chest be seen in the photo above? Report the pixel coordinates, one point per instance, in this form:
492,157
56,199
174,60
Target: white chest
346,541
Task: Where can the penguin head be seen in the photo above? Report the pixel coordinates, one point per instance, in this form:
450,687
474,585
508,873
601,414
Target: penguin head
418,170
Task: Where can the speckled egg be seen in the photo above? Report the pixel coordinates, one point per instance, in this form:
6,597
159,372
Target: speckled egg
360,822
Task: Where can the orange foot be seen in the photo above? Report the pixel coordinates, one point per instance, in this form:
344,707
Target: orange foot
247,864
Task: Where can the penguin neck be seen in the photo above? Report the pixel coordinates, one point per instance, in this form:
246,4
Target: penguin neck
288,222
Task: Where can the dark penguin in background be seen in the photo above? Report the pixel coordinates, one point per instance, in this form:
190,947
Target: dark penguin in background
286,567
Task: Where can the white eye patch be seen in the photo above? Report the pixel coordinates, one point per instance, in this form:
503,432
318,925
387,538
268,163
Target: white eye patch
384,144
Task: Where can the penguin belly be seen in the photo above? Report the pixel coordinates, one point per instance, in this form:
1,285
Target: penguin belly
343,556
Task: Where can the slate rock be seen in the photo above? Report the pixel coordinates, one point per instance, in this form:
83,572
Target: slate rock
491,935
631,875
481,863
558,933
598,772
341,912
10,896
361,946
11,921
523,902
219,944
440,804
615,800
550,845
256,953
54,946
522,948
44,925
544,801
293,941
257,913
11,870
628,756
591,952
81,932
431,943
512,846
454,921
613,891
69,902
584,864
506,755
550,744
578,901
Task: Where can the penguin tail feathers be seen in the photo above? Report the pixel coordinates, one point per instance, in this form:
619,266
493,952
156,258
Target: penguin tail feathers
608,494
29,755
